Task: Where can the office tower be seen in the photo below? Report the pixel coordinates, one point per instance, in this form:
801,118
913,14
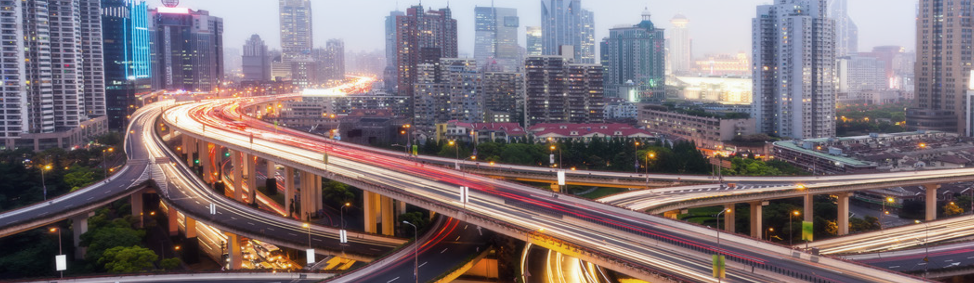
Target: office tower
125,31
861,73
447,90
503,97
422,37
681,54
391,75
331,61
794,69
534,41
846,31
256,60
634,56
297,35
564,22
53,74
558,91
187,49
496,37
943,66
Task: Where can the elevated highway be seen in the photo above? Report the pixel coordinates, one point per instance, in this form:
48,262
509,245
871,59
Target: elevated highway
609,236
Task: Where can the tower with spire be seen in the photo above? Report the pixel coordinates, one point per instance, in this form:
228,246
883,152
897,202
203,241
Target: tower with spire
635,54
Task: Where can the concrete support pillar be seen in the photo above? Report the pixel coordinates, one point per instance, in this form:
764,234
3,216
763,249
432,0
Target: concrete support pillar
79,225
233,249
251,173
310,194
674,214
206,160
237,163
318,197
757,227
370,204
173,218
932,201
288,189
388,218
271,170
730,215
137,213
843,215
190,227
400,207
809,208
188,147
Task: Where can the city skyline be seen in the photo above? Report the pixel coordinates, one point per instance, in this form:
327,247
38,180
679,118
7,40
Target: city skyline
712,30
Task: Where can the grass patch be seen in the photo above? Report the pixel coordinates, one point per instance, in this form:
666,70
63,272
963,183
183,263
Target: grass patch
602,192
701,215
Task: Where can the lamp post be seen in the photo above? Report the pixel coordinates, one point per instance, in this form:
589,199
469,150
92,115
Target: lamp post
415,251
885,212
770,229
342,212
456,146
926,246
791,227
43,183
559,156
635,148
718,233
60,251
104,159
306,225
651,155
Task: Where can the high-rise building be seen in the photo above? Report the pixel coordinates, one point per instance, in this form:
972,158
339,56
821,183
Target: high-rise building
681,52
943,65
297,35
846,31
558,91
256,60
503,95
635,55
422,37
53,74
861,73
391,75
447,90
331,61
534,41
794,69
496,38
187,49
564,22
125,32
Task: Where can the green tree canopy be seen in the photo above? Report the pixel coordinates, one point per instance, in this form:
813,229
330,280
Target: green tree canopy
131,259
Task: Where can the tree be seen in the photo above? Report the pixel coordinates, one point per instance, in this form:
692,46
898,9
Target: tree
169,263
416,218
79,176
100,240
123,259
336,193
952,209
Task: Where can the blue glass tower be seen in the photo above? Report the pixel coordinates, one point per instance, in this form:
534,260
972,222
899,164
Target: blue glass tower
125,31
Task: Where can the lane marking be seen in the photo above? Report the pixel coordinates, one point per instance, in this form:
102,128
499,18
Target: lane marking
444,250
393,279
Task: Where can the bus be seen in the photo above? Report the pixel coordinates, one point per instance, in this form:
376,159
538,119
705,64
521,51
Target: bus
268,252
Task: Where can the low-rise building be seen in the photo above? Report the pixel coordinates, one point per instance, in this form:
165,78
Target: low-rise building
374,127
707,130
480,132
897,152
76,137
587,132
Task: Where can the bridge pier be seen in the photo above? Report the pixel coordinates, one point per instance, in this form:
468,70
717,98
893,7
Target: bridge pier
191,243
931,201
206,160
237,163
173,218
188,145
843,215
250,169
288,190
757,216
235,260
729,218
79,225
809,213
311,200
137,211
378,211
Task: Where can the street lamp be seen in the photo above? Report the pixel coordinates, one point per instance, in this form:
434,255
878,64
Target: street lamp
635,148
791,227
926,246
885,212
718,232
60,251
770,229
342,212
43,184
559,156
306,225
457,149
415,251
105,160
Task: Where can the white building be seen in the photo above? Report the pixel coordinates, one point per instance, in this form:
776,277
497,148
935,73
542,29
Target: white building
680,47
794,69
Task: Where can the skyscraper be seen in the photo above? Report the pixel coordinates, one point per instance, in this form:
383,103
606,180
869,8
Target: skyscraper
330,61
558,91
533,41
53,80
423,37
256,60
794,69
125,31
503,96
447,90
187,49
297,35
943,66
846,31
681,54
635,56
564,22
391,75
496,37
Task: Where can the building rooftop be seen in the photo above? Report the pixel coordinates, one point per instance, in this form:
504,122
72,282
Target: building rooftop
587,130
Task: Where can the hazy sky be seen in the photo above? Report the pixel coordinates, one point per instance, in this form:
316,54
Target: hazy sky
716,26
